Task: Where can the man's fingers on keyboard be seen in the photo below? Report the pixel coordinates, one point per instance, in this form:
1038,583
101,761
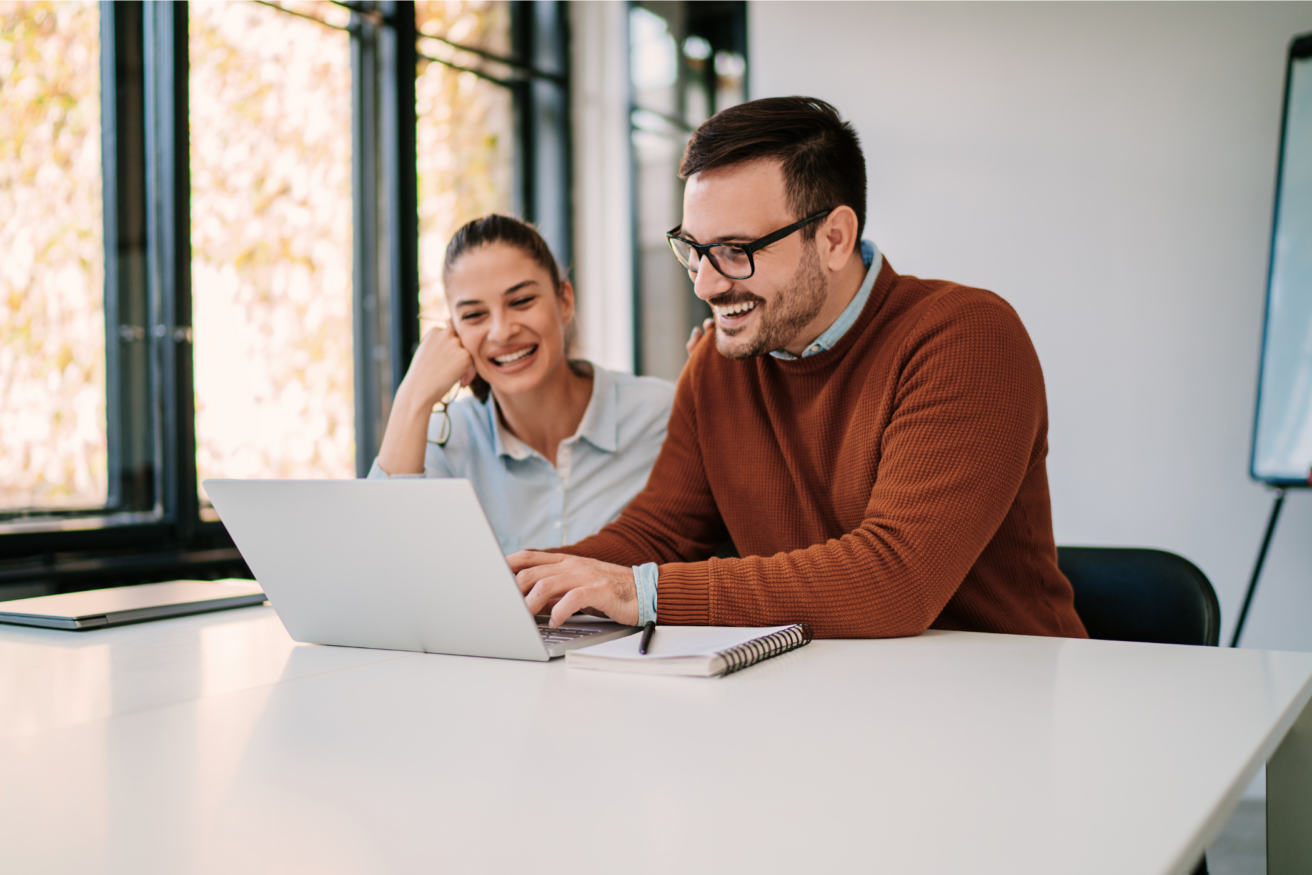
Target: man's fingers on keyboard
574,601
531,558
592,600
548,589
532,575
537,598
561,567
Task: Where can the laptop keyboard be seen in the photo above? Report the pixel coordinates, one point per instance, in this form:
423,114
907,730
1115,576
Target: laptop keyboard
565,634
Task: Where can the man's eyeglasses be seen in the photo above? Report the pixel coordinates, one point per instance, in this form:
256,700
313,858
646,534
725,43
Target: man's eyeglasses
733,260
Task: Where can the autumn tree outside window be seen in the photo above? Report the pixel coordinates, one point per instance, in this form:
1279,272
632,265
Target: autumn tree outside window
231,221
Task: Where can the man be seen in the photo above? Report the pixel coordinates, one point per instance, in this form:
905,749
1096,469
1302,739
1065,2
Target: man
873,445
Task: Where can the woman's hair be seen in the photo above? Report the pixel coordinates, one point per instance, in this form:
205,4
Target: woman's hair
510,231
501,229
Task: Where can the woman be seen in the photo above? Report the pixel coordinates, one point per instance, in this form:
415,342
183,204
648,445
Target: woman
554,448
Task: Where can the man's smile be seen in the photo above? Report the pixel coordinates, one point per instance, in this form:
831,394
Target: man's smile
735,309
731,315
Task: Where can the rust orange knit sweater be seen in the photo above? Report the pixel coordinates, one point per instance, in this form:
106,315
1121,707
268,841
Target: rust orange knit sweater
892,484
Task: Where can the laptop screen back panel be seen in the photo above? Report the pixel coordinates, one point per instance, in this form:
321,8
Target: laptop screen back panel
398,565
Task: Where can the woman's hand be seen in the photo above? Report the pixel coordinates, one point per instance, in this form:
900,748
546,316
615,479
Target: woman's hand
439,363
698,332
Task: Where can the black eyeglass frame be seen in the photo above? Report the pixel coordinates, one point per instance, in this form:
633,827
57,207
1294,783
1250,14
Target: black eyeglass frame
704,249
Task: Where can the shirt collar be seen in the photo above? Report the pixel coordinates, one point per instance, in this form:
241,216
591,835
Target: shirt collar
599,427
601,424
873,260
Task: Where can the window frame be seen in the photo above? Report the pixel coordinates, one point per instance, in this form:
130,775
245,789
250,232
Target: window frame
152,526
723,25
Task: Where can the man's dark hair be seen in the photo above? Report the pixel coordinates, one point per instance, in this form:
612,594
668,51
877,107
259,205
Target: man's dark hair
821,154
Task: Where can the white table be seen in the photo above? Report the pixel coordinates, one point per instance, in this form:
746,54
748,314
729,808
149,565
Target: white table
214,744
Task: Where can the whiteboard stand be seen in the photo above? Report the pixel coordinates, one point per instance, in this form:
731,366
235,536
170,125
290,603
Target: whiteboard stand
1261,558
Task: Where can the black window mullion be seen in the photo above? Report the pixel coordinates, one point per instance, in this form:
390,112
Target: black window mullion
369,352
540,41
168,220
524,197
130,453
551,124
399,208
115,340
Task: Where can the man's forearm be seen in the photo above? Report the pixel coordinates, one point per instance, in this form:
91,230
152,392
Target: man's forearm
638,537
852,587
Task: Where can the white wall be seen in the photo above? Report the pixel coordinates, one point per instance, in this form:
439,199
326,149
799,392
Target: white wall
1108,169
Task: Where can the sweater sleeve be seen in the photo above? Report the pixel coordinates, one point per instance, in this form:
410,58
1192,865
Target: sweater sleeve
968,422
674,518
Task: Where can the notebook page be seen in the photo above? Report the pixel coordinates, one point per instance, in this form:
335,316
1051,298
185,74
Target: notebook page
680,641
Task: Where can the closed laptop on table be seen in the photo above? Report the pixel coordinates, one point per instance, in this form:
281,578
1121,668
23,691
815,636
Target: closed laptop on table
130,604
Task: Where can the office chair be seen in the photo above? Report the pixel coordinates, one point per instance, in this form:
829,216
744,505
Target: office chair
1132,594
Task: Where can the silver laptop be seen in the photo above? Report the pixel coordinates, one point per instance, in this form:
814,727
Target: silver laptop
392,564
130,604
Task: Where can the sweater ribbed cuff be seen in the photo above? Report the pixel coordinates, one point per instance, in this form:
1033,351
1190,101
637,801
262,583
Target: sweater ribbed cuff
684,594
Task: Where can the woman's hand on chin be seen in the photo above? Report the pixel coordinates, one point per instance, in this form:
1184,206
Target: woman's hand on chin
698,332
439,363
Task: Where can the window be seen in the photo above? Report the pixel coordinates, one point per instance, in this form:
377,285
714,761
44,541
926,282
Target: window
465,132
53,433
687,61
231,220
270,151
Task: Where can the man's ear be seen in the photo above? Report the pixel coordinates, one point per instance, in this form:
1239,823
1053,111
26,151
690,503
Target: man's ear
837,238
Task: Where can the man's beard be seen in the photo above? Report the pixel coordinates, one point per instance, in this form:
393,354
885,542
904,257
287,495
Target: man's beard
792,310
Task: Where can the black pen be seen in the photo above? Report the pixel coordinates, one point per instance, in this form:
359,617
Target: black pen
647,631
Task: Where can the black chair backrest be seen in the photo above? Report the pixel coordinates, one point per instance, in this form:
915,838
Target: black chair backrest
1132,594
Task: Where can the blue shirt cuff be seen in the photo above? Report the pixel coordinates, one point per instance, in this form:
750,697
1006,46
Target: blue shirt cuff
376,472
645,576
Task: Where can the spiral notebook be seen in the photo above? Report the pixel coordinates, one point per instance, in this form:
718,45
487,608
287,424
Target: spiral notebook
694,651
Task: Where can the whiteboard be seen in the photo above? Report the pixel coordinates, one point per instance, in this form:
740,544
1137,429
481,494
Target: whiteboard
1282,433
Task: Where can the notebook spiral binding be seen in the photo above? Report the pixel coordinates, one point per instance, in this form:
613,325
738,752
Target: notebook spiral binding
752,652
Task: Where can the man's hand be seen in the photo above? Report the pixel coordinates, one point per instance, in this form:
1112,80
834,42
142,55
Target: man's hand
571,583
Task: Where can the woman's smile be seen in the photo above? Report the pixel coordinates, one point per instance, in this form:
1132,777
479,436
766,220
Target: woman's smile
515,358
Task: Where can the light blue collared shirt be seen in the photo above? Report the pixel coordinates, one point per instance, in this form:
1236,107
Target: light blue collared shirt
598,470
874,260
647,576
